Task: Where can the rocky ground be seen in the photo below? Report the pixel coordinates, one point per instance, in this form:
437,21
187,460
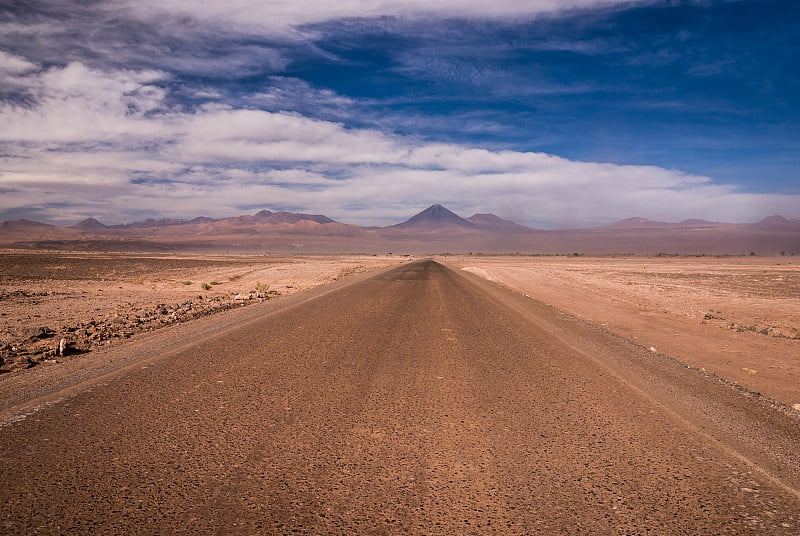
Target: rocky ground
422,400
55,306
738,317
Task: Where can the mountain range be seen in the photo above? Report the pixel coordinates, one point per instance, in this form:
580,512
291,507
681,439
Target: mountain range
435,229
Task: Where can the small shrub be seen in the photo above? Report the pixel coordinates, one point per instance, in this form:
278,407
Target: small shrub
205,286
186,282
214,283
262,288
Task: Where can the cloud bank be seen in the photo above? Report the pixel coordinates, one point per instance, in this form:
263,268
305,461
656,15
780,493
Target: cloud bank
289,15
83,142
370,110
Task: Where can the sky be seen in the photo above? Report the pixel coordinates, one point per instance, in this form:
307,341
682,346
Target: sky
550,113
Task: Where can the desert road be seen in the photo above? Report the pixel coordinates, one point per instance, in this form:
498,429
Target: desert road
418,400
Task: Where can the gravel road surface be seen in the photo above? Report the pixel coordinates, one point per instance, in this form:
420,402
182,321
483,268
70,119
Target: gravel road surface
416,401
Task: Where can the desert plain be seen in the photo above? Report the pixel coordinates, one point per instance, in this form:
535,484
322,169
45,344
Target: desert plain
734,317
90,300
361,394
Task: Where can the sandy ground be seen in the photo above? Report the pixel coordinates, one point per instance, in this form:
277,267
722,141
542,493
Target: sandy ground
94,299
420,400
738,318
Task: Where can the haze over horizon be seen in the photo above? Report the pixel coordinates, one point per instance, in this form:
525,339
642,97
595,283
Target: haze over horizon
368,112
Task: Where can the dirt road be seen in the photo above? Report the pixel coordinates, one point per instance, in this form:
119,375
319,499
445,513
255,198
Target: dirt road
415,401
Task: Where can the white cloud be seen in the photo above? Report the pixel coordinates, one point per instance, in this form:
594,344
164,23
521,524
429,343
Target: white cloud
106,144
294,94
253,135
12,65
284,15
75,103
13,71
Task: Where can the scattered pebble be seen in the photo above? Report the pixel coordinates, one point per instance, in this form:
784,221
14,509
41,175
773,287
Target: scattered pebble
83,336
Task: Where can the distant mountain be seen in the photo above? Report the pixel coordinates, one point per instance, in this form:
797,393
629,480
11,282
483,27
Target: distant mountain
201,219
696,222
89,224
266,216
13,232
150,222
263,216
777,223
490,221
435,217
435,229
637,223
645,224
25,226
771,223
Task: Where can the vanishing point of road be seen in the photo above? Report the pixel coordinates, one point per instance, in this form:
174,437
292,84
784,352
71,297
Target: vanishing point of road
418,400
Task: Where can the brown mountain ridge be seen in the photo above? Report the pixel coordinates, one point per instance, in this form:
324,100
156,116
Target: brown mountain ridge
435,229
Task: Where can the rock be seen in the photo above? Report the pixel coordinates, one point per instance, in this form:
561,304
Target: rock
38,332
62,345
796,406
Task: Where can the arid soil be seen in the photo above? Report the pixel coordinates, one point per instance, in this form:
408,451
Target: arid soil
88,300
413,400
738,317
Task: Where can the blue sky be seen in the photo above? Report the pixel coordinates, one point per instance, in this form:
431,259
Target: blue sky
553,114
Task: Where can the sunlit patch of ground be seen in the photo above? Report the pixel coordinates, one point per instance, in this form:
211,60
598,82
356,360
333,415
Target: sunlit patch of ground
738,317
